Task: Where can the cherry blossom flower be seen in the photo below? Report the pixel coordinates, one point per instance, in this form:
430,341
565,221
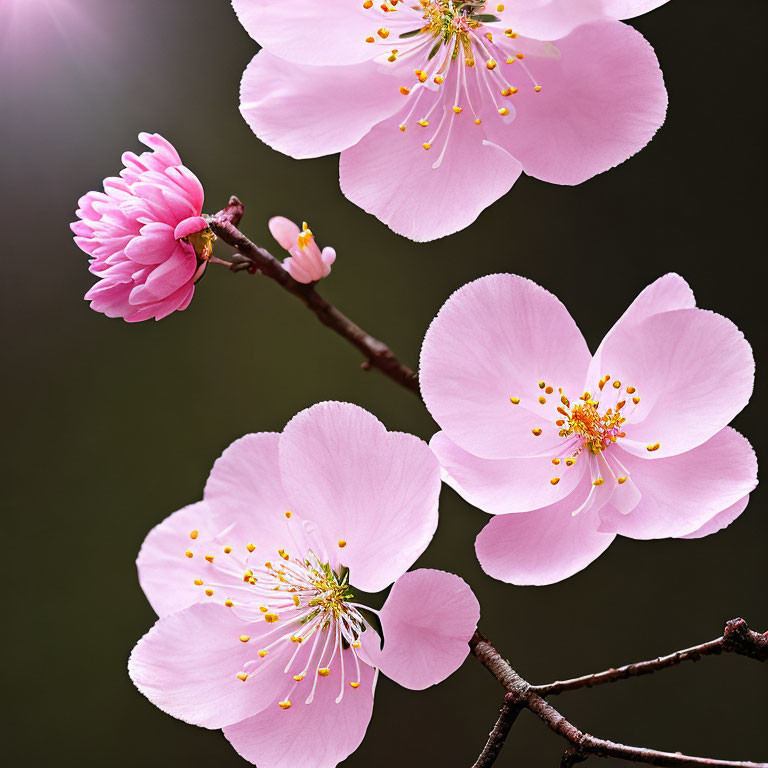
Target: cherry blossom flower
438,106
570,449
145,235
259,632
307,263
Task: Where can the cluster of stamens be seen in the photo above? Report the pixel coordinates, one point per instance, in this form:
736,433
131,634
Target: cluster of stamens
584,427
447,39
307,601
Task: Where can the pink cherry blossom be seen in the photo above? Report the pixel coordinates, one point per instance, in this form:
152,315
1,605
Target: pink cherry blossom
259,631
438,106
570,449
307,263
145,235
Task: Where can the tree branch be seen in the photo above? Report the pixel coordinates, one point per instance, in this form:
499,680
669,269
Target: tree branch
737,638
252,259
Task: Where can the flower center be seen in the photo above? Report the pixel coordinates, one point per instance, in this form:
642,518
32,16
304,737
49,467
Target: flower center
308,606
445,40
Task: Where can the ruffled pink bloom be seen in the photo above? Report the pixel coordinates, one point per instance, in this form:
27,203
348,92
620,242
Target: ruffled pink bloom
145,235
307,263
259,630
437,107
570,449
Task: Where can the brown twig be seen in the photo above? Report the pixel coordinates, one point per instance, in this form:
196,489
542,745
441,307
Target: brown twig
737,638
252,259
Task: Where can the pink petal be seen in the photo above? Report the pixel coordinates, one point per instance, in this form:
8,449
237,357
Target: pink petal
154,246
284,231
187,665
693,371
544,546
682,493
167,278
112,299
501,486
307,111
308,32
601,102
496,338
663,295
316,735
245,490
428,620
375,490
720,521
166,574
628,9
549,19
189,227
389,174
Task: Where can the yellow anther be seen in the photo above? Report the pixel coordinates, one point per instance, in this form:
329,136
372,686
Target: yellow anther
271,618
262,654
402,128
439,79
244,638
617,384
284,704
209,558
392,57
423,123
228,603
514,400
422,77
537,89
549,390
622,480
491,64
599,481
500,8
289,514
405,91
189,553
283,554
248,575
542,384
250,547
242,676
298,678
635,400
383,33
426,145
519,56
263,608
194,534
370,40
631,390
342,543
478,121
354,685
458,110
199,582
469,62
368,4
654,447
555,480
323,671
296,600
542,399
570,462
536,431
209,592
556,462
227,550
356,644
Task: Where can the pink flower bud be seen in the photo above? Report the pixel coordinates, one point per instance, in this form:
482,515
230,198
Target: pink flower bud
307,263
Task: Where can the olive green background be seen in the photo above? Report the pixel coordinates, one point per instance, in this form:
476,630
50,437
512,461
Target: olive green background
108,427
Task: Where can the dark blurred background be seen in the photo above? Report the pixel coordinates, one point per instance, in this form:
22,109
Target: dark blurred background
109,427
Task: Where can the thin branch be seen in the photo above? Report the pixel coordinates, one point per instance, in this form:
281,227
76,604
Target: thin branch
737,638
252,259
